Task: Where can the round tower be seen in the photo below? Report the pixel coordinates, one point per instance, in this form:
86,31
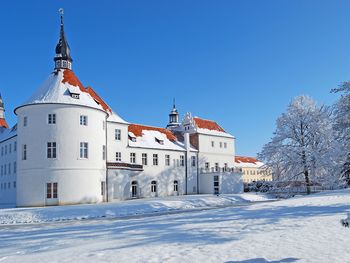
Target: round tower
61,140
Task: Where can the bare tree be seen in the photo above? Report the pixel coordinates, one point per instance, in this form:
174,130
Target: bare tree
300,149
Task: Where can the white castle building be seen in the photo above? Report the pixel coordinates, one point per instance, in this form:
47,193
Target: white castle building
70,147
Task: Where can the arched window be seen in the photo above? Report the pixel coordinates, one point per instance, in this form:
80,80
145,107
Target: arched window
176,186
153,186
134,189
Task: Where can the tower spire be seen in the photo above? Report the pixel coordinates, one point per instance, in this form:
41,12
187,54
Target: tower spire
63,60
173,117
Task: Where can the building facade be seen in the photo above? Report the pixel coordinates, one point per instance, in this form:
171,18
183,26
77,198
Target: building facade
70,147
252,169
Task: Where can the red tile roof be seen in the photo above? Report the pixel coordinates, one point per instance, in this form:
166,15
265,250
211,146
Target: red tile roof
70,78
245,159
137,130
207,124
97,98
3,123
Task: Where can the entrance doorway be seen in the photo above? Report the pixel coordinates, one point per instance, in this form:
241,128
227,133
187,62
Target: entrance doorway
134,189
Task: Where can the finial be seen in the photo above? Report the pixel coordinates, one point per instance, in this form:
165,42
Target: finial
61,11
174,103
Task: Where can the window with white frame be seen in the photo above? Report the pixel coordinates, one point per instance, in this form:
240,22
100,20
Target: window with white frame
51,190
154,187
220,144
193,161
167,160
24,152
117,134
176,186
83,120
84,149
207,166
155,159
51,150
216,167
212,144
225,145
103,152
182,160
118,156
51,119
132,157
144,159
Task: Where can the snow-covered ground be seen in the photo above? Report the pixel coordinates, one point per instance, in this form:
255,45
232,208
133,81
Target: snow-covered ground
123,209
301,229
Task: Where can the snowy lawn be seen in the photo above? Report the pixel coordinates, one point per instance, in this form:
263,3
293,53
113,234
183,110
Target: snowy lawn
302,229
129,208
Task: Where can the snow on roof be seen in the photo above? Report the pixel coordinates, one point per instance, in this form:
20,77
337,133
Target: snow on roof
245,161
3,123
7,133
210,127
56,90
146,138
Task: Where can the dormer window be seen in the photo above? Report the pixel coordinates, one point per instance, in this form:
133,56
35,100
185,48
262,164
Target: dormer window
132,137
160,141
75,96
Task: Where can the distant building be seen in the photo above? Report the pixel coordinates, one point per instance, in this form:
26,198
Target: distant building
252,169
70,147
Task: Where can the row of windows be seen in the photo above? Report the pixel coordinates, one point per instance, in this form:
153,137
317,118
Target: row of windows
52,150
154,187
216,167
8,148
155,159
4,186
258,172
221,144
6,169
51,119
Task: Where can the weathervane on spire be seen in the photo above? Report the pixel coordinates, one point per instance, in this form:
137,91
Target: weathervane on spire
61,11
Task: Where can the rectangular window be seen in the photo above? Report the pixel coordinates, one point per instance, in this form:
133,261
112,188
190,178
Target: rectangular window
225,145
118,134
14,184
220,144
51,150
132,157
84,150
193,161
25,121
225,167
49,190
2,170
167,160
83,120
103,152
155,159
15,146
5,149
212,143
9,168
118,156
24,152
10,148
207,166
103,188
144,159
51,119
216,167
216,184
15,167
182,160
54,190
2,150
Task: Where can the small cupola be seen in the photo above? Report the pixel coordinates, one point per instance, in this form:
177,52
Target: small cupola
173,117
63,59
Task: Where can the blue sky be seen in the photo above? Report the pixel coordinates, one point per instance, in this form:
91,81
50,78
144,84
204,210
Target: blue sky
236,62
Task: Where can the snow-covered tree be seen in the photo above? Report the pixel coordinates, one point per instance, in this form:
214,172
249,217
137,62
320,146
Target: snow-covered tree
302,146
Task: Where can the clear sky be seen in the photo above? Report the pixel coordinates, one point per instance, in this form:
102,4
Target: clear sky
236,62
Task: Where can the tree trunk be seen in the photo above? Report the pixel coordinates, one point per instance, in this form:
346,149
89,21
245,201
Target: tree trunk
307,181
